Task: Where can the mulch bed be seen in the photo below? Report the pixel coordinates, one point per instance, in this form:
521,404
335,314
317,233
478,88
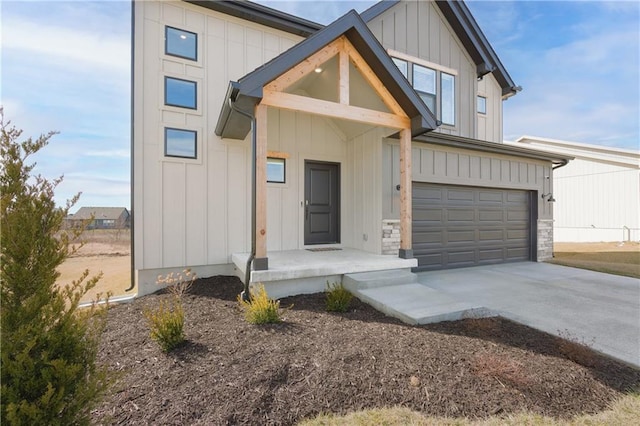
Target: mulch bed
232,372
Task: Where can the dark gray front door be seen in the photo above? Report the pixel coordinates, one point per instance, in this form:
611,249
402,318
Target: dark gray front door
322,203
457,226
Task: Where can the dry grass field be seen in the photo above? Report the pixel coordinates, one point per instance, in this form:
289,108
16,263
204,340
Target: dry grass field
107,251
612,258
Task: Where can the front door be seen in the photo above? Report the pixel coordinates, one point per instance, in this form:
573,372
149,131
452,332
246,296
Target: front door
321,202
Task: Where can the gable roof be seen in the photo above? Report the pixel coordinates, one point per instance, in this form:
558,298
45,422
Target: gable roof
247,92
468,31
455,11
108,213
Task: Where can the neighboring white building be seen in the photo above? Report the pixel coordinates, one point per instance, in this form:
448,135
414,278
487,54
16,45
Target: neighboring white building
597,194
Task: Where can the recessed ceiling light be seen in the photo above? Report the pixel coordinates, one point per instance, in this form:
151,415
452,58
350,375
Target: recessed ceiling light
318,70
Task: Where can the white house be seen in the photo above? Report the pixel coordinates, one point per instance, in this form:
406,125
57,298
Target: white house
597,194
258,136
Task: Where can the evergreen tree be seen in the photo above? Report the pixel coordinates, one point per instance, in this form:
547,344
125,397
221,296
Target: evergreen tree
48,364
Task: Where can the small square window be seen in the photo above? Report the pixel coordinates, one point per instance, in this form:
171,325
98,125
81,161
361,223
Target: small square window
403,66
482,105
181,43
275,170
180,93
180,143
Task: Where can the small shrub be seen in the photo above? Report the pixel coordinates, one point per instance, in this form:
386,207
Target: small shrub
260,309
167,324
338,298
166,321
500,368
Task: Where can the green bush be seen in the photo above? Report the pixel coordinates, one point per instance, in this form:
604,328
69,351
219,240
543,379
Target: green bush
338,298
166,322
260,309
49,373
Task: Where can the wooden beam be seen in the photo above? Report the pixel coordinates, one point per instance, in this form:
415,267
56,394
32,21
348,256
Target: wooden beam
405,190
261,181
333,109
373,79
343,77
306,66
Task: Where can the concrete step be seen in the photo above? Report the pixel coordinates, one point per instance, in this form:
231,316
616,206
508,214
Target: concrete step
416,304
391,277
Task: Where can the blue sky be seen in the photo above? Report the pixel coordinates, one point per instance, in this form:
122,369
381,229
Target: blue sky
65,66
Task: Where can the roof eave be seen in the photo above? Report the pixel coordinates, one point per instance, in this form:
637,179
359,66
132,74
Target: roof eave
262,15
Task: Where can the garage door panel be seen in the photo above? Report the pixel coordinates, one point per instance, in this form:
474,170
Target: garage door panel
466,226
485,215
460,215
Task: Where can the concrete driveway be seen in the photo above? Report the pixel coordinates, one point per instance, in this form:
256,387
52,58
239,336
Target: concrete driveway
600,310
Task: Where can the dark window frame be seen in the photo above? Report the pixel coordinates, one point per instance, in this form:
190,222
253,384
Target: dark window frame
195,93
484,112
166,43
284,170
195,143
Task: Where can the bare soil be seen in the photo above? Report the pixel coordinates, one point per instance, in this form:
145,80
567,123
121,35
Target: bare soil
612,258
106,251
232,372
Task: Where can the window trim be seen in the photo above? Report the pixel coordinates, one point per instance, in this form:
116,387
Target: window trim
166,43
284,170
195,144
195,93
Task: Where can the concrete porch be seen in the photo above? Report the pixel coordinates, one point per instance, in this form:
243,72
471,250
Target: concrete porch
302,271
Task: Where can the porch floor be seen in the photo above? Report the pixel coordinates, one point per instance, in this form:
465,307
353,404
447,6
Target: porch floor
298,264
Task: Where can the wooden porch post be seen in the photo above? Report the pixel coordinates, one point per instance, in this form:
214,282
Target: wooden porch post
406,251
261,262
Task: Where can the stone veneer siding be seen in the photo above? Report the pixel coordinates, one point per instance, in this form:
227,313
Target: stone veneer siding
390,236
545,240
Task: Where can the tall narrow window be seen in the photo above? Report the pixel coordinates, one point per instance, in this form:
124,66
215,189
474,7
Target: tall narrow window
424,81
403,66
447,99
181,43
180,93
482,105
180,143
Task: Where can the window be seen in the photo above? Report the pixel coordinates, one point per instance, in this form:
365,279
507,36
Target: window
424,81
180,43
482,105
403,66
180,93
435,84
275,170
447,99
180,143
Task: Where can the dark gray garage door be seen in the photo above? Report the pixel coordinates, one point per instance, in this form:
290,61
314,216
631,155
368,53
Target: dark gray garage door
457,226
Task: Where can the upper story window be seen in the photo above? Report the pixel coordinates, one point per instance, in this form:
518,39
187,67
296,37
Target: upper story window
180,93
403,66
424,81
181,43
180,143
482,105
435,84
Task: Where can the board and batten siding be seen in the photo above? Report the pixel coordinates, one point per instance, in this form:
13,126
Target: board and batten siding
454,166
418,29
192,212
300,137
595,201
490,124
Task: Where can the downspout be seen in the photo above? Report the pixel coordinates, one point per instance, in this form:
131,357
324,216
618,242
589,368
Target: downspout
246,295
131,159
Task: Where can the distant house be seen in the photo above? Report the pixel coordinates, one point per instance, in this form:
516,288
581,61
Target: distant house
103,218
597,194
